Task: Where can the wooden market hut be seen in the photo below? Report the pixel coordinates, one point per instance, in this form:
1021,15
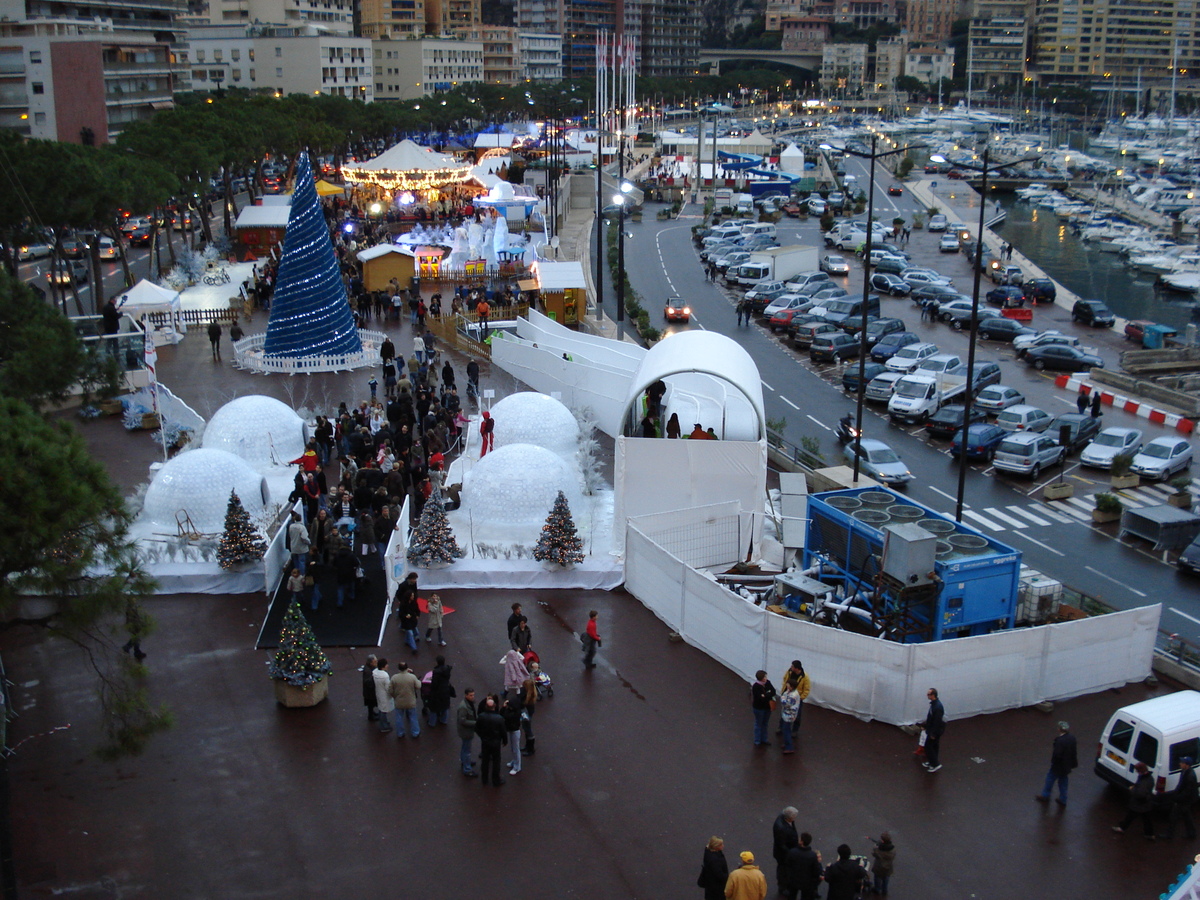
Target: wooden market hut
563,290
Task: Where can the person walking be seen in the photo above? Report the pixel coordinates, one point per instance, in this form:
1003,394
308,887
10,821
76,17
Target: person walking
409,612
368,688
1183,801
487,434
844,877
1141,803
762,701
515,671
489,725
747,881
1096,404
406,692
935,727
783,839
441,692
433,618
1064,757
298,543
591,640
714,870
510,711
1081,402
741,311
884,862
383,695
521,637
789,709
214,338
803,870
464,721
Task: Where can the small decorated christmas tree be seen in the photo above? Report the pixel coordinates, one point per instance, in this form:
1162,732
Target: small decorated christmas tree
559,543
433,542
299,661
240,542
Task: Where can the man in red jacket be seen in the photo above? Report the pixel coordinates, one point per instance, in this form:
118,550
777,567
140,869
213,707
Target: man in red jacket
308,460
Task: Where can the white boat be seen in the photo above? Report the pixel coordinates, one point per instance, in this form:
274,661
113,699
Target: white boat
1156,263
1184,282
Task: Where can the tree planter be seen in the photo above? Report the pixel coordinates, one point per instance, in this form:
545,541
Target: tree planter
310,695
1103,517
1059,490
1120,482
111,407
1182,501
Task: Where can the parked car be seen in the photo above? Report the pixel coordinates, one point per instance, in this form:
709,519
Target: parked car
1040,290
948,309
998,397
891,265
1008,296
1068,359
803,335
835,265
879,461
836,200
850,380
937,223
1028,453
1093,313
807,279
783,319
1043,338
877,329
1082,429
948,244
893,285
792,209
934,292
947,421
833,346
1023,418
908,358
763,293
915,275
982,440
676,310
998,328
985,374
1162,457
882,386
890,344
1109,443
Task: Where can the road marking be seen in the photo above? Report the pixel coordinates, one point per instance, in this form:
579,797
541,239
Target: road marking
986,523
1022,511
1039,543
769,388
788,402
1015,523
943,493
1114,581
1185,615
1053,514
819,422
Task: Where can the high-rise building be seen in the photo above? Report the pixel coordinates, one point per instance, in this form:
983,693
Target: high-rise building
889,63
997,46
929,21
541,56
670,38
408,69
843,69
331,15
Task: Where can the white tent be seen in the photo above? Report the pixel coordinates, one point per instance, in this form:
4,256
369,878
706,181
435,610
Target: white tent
145,298
791,160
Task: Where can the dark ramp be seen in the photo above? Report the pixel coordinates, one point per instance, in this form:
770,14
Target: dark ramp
356,624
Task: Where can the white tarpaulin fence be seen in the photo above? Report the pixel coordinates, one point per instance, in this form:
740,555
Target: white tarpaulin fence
877,679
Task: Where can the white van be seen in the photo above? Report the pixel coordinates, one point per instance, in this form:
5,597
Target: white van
1157,732
759,229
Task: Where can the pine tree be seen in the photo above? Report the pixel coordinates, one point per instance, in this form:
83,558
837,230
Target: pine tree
433,542
299,661
240,542
559,543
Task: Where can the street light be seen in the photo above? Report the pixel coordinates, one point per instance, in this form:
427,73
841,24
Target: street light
621,199
862,334
984,170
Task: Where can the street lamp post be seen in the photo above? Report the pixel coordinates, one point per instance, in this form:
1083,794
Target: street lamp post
862,334
621,199
969,398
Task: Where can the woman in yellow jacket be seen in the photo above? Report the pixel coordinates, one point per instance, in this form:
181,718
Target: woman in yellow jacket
796,679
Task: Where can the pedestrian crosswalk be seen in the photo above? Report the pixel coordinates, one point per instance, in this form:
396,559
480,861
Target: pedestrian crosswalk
1040,514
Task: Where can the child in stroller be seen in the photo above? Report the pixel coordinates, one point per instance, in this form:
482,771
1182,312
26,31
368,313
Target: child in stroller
545,687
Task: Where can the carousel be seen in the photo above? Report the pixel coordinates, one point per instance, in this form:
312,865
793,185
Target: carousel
414,185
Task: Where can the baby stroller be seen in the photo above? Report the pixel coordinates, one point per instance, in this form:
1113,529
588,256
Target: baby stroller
545,687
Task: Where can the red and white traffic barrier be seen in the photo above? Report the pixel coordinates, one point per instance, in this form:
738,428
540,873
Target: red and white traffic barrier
1077,384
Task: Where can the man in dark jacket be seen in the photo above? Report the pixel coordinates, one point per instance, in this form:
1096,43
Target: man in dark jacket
783,839
1063,758
1141,803
935,726
521,637
465,723
844,877
492,737
368,687
437,707
345,568
802,870
1183,800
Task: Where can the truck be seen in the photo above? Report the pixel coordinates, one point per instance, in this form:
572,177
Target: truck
922,393
777,264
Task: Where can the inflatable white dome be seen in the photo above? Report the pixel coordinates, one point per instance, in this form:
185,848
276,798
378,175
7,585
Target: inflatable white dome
501,191
261,430
508,494
539,419
198,483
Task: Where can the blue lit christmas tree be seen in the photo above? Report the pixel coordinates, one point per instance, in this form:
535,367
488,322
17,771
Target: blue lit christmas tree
310,315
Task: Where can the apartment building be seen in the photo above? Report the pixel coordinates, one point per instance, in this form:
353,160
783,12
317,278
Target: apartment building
864,13
336,16
804,34
540,56
929,64
998,43
889,63
843,68
409,69
929,21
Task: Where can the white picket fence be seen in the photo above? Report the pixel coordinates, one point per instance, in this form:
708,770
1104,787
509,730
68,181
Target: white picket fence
248,355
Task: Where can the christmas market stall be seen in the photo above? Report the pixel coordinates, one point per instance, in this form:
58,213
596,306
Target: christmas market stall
414,184
260,229
562,288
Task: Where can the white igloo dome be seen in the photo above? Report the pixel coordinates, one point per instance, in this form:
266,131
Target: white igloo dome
501,191
508,494
538,419
198,483
261,430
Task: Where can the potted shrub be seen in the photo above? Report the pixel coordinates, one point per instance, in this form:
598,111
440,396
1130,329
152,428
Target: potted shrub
299,668
1182,497
1121,476
1058,490
1108,508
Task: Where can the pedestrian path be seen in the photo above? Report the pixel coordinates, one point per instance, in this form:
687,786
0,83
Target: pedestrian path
1038,514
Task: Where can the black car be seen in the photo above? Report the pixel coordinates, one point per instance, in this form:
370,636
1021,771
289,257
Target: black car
933,292
889,345
140,236
948,420
832,347
984,374
892,285
1093,313
879,328
850,376
998,328
891,266
1040,290
1083,429
1010,297
1062,357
